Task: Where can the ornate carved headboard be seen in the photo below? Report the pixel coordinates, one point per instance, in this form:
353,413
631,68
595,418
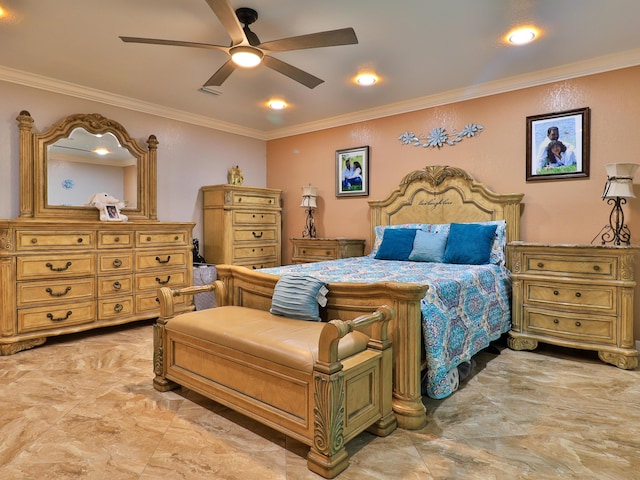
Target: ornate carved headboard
442,194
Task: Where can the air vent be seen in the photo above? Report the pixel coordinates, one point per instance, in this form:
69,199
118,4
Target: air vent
209,90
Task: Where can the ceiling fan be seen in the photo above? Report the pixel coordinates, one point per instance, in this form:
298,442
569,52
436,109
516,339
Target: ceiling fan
246,50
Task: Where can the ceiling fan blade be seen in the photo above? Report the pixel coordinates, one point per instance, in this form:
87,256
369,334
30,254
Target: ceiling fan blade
176,43
227,16
221,75
292,72
332,38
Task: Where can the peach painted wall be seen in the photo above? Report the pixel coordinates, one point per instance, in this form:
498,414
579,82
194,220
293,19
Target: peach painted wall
561,211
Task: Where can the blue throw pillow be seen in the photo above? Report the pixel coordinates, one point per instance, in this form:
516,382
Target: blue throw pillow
469,243
396,244
428,247
295,296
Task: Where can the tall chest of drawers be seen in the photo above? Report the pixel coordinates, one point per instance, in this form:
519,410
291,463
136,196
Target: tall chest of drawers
59,278
242,225
578,296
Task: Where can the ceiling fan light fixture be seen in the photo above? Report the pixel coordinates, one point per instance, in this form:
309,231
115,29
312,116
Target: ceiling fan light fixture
246,56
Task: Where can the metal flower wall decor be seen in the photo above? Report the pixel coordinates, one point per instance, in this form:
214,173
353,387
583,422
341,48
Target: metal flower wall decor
438,137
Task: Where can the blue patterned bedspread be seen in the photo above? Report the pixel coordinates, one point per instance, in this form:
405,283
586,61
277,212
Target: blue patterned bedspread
465,308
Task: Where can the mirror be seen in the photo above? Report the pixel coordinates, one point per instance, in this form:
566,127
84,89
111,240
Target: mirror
61,168
75,162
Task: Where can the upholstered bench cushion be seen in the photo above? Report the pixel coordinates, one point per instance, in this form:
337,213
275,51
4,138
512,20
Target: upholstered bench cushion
288,342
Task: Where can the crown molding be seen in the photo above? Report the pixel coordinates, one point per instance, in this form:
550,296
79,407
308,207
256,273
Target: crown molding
86,93
593,66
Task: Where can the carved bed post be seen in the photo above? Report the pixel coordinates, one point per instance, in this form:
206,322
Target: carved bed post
167,312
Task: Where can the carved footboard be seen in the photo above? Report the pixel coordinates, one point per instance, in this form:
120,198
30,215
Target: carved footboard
348,300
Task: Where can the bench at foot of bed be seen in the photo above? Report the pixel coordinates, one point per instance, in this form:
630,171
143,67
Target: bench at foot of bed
320,383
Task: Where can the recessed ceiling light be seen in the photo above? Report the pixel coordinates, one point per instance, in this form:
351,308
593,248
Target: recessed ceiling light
366,79
521,36
277,104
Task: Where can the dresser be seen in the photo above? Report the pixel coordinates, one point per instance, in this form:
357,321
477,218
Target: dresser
62,269
578,296
242,225
307,250
58,279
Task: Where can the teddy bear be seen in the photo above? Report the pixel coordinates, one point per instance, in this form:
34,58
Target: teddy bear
109,207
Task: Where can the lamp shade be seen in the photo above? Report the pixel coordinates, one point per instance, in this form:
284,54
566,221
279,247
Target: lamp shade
620,180
309,195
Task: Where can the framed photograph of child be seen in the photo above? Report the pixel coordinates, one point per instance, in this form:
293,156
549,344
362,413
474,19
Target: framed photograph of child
558,145
352,172
111,213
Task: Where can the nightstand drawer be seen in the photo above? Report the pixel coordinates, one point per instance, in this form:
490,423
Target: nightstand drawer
324,252
570,265
599,298
583,328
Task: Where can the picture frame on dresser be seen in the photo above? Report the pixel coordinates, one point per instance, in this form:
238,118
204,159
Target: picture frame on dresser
558,145
352,172
111,213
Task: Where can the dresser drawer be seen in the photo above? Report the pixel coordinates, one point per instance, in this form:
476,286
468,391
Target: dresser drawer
30,293
153,260
37,240
115,262
54,266
257,199
240,217
583,328
58,316
155,280
115,239
159,239
263,263
149,303
258,251
116,307
598,298
115,285
267,234
577,266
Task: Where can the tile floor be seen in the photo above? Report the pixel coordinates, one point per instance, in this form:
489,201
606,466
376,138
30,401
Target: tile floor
82,407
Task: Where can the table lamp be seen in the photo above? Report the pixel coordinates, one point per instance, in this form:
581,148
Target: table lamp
618,188
309,195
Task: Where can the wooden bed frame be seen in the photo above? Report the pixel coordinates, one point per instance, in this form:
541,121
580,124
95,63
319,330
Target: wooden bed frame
435,194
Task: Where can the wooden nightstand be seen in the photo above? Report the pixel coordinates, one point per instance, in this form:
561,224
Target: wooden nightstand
578,296
307,250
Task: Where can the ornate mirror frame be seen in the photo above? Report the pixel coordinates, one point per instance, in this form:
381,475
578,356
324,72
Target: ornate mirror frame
33,168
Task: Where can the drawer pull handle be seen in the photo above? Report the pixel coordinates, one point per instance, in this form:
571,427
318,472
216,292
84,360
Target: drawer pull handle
176,238
57,269
163,261
596,268
117,263
578,294
80,240
117,285
148,239
59,319
540,265
255,235
556,292
163,282
117,307
59,294
34,240
556,321
578,324
157,300
304,252
117,239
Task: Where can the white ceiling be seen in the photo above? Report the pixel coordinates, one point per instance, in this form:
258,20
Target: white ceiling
426,52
